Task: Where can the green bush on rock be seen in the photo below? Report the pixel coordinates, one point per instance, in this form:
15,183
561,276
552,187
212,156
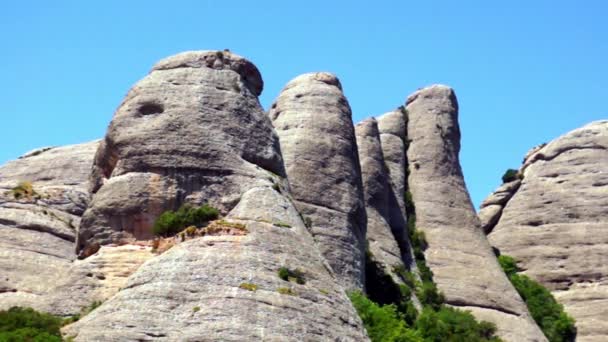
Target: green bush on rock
557,325
510,175
172,222
25,324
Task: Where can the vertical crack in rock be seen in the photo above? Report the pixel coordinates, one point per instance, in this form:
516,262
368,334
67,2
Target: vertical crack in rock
464,266
314,122
212,143
556,224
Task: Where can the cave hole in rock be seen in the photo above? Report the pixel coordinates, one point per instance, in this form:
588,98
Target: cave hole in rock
151,108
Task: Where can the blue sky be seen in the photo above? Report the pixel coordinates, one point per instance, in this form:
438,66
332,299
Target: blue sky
525,72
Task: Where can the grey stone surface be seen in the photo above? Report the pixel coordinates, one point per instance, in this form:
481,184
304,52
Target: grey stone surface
313,120
216,146
491,208
38,232
381,241
556,224
191,131
392,128
459,254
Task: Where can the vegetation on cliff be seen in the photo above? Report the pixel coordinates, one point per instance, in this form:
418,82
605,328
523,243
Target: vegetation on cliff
556,324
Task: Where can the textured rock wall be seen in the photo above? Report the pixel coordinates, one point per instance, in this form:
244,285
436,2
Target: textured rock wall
459,255
556,224
37,232
377,192
224,285
191,131
313,120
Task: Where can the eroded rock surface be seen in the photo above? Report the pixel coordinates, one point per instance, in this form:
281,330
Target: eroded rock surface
377,191
221,286
314,122
42,196
459,255
556,224
191,131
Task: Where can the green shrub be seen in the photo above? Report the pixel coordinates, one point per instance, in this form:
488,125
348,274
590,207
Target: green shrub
557,325
449,324
429,295
196,309
292,275
248,286
510,175
383,323
286,291
172,222
24,190
25,324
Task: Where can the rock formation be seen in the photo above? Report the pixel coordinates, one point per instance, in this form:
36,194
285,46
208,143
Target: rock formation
392,128
42,196
313,120
459,255
377,192
555,224
191,131
210,143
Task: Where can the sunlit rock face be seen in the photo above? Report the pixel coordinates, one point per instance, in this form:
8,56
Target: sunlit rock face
459,254
555,224
314,122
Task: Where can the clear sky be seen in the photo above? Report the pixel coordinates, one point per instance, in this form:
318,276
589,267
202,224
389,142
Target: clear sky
524,72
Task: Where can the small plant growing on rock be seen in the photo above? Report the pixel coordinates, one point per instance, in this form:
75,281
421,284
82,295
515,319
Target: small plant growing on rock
24,190
26,324
196,309
286,291
282,225
296,275
510,175
248,286
172,222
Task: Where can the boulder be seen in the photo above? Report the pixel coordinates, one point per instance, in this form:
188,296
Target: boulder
192,131
556,224
464,266
314,123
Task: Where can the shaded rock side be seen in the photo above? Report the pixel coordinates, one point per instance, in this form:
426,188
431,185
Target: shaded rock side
191,131
314,122
376,189
464,266
38,224
556,224
392,128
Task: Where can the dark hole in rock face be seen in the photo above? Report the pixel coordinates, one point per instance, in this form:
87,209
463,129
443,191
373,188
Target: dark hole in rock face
151,108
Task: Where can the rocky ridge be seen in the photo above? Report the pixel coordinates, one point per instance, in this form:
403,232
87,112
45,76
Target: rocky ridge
299,187
553,223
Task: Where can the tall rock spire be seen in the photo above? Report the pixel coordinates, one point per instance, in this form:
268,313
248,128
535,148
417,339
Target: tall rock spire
464,266
314,123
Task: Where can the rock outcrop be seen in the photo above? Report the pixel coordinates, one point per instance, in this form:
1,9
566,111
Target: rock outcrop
42,196
392,128
313,120
191,131
377,192
556,224
458,253
212,143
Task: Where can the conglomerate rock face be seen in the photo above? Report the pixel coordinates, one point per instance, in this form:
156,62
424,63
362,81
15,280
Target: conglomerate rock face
313,120
459,254
38,225
377,192
556,224
192,131
218,147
